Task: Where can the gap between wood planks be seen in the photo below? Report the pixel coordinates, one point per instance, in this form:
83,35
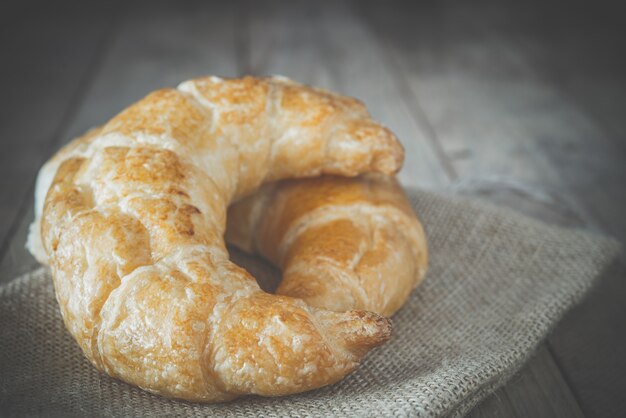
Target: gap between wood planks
77,84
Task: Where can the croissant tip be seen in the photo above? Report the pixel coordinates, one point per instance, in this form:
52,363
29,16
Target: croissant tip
359,331
389,162
371,329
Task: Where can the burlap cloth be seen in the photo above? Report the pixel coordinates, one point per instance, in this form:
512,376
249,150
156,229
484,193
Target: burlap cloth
498,282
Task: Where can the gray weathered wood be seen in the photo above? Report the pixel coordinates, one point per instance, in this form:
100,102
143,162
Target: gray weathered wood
41,84
489,79
589,347
158,44
537,391
16,259
587,73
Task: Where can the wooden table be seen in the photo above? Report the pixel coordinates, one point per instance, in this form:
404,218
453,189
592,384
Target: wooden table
520,103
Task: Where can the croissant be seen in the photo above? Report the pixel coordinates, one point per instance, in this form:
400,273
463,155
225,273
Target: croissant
131,216
341,243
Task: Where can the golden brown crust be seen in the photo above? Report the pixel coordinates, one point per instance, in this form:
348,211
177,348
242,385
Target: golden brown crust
342,243
131,216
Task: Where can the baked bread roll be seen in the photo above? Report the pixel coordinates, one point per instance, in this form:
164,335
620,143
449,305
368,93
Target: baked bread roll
131,217
341,243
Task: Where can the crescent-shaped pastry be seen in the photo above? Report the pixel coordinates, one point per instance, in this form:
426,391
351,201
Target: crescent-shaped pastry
131,217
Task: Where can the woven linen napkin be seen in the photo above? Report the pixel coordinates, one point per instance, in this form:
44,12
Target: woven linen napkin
497,283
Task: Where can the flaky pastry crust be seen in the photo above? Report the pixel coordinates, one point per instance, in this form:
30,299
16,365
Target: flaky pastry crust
131,216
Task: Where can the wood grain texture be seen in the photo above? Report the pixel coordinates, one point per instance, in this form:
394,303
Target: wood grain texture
48,67
505,88
587,75
537,391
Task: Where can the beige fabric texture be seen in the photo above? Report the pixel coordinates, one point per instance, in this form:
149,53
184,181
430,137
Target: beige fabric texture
498,283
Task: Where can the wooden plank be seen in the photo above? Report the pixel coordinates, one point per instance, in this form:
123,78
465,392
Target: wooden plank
16,260
41,86
584,82
468,91
291,39
153,47
12,11
591,162
588,72
498,115
159,44
487,80
583,56
589,347
329,47
534,392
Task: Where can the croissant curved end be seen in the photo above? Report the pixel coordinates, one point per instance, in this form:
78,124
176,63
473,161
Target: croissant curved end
284,346
360,331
